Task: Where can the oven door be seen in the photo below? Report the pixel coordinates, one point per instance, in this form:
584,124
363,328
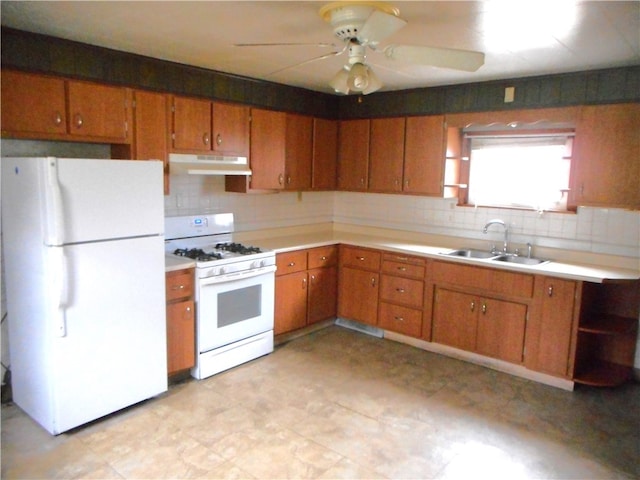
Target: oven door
234,307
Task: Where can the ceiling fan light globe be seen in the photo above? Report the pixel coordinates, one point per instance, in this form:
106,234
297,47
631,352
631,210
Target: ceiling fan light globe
339,81
374,83
358,79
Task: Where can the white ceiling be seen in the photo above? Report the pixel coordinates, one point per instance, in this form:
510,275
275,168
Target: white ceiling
519,38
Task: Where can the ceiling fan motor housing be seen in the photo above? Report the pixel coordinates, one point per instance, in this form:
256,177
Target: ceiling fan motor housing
347,18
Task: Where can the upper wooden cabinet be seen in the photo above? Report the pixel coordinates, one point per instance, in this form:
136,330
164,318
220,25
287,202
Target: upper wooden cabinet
204,126
43,107
298,152
353,155
324,171
424,155
268,132
33,105
605,168
386,154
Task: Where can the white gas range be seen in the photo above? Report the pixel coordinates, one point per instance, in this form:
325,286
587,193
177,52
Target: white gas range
234,291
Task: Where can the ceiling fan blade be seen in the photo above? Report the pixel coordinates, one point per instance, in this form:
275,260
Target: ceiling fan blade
466,60
323,45
379,26
314,59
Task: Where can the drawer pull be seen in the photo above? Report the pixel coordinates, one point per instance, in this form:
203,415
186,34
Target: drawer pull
484,308
402,269
177,287
188,309
400,290
400,319
360,258
403,259
323,257
292,264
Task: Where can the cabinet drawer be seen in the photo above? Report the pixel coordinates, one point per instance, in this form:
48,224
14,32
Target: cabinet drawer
400,319
322,257
290,262
402,290
360,258
179,285
403,269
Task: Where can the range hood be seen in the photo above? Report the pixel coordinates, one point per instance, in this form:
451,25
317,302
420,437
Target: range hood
192,164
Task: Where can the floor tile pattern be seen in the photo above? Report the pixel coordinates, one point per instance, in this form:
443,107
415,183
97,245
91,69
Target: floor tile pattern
340,404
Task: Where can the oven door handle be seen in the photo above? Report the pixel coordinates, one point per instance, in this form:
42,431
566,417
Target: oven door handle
232,277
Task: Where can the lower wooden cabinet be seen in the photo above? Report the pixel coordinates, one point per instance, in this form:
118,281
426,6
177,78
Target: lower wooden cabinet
181,327
358,295
306,285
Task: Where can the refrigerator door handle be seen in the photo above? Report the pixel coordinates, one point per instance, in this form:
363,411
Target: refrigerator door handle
61,290
55,210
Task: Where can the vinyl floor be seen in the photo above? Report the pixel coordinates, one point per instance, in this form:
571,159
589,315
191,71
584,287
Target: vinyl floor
340,404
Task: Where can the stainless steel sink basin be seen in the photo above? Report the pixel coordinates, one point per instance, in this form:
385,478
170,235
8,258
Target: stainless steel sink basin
520,260
470,253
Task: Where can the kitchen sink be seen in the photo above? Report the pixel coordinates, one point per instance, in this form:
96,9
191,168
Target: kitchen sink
470,253
520,260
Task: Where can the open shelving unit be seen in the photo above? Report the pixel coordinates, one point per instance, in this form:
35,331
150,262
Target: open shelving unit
607,333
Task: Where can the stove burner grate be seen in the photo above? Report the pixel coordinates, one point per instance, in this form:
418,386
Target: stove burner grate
237,248
197,254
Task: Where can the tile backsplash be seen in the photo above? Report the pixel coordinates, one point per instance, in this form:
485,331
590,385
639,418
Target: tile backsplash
594,230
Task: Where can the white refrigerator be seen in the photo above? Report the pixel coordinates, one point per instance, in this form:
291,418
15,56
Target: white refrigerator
83,245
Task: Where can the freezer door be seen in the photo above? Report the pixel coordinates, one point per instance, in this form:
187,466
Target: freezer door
89,200
113,352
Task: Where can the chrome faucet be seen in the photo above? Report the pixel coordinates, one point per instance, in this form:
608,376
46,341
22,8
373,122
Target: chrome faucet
497,221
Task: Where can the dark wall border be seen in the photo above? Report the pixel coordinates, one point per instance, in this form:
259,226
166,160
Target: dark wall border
45,54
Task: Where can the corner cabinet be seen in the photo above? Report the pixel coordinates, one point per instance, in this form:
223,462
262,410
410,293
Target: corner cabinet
181,328
605,170
353,155
324,169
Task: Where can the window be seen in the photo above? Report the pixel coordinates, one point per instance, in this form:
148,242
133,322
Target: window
523,170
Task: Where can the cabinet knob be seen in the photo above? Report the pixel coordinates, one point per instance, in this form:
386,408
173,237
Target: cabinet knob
406,183
402,269
188,309
304,283
550,291
484,308
218,139
177,287
360,258
78,120
288,179
400,319
400,290
373,281
57,118
205,138
291,264
280,179
323,257
473,306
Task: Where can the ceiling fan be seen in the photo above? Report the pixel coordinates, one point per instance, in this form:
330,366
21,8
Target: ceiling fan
361,25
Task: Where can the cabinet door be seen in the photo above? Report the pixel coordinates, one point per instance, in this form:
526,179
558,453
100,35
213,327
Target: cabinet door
605,170
322,298
358,295
386,154
268,129
454,319
191,124
230,127
424,156
299,145
98,111
32,105
325,154
150,126
353,155
181,336
291,302
550,335
501,328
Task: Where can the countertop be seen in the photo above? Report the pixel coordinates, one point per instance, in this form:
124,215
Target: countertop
572,271
173,263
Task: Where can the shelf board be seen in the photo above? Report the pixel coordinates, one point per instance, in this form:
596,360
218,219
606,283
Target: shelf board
603,374
609,325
